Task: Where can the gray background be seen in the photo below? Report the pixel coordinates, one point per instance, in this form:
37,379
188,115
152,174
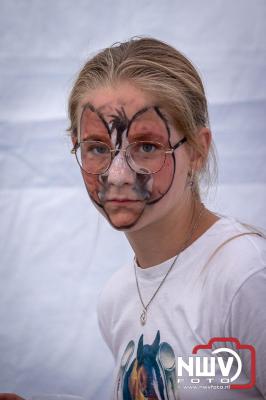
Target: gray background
56,253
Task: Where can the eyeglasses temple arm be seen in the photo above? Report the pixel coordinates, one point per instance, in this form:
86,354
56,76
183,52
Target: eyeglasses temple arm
179,143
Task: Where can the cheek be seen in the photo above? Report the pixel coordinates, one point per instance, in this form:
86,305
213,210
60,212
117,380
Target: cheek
93,186
162,180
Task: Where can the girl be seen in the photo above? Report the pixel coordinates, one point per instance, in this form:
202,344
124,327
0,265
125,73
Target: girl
139,127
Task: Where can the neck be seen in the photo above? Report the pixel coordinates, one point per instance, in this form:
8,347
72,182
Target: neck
164,239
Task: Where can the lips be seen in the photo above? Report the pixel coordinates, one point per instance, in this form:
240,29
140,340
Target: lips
124,200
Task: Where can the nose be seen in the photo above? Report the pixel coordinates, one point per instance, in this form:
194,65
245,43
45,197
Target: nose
120,173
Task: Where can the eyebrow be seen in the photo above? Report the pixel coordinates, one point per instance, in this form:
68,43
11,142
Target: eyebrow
96,136
148,136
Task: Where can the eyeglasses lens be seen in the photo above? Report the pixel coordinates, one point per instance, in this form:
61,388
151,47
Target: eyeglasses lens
149,137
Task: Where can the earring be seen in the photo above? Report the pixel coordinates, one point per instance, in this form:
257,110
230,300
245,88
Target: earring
191,178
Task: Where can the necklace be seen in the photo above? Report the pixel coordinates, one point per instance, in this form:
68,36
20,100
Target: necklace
143,315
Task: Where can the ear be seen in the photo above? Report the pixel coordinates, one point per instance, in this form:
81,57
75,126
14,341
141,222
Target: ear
155,344
203,138
74,139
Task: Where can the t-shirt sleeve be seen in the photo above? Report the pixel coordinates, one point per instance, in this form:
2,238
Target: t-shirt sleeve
246,321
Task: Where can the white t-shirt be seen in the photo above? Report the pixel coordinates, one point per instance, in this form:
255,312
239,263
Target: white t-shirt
201,299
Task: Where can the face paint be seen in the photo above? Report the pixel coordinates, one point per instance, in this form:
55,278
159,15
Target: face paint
120,181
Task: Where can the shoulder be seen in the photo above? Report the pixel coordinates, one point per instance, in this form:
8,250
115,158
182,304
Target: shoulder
237,249
246,321
234,254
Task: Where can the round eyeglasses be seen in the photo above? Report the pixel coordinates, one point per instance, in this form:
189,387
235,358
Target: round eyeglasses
144,157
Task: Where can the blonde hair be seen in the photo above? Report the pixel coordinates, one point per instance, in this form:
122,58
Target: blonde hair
163,72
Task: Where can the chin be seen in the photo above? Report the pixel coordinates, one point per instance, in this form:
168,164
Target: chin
132,225
122,223
123,218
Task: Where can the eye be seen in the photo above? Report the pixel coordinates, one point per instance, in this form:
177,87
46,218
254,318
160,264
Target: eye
147,147
99,149
95,149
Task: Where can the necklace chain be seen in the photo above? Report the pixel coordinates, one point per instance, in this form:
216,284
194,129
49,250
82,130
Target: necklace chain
143,316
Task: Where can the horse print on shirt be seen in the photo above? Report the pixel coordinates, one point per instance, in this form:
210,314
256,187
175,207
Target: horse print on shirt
151,374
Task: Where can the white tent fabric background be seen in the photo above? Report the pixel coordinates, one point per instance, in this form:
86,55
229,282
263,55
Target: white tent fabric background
56,253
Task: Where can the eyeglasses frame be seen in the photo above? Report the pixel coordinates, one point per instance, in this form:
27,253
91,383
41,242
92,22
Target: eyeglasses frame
115,151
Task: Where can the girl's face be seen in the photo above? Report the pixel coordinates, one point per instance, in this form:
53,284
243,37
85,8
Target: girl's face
118,116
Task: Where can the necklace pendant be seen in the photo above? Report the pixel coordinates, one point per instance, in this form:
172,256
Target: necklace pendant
143,317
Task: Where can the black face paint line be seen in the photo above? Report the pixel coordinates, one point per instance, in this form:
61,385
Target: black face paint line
124,227
169,187
120,124
163,117
140,176
89,106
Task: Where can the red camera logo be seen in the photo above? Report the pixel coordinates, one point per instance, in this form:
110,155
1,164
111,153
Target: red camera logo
225,369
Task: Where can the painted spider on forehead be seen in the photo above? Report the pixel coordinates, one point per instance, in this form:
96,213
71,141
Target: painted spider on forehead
119,122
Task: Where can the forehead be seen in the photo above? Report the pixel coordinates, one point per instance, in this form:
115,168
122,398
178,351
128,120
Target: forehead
108,99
